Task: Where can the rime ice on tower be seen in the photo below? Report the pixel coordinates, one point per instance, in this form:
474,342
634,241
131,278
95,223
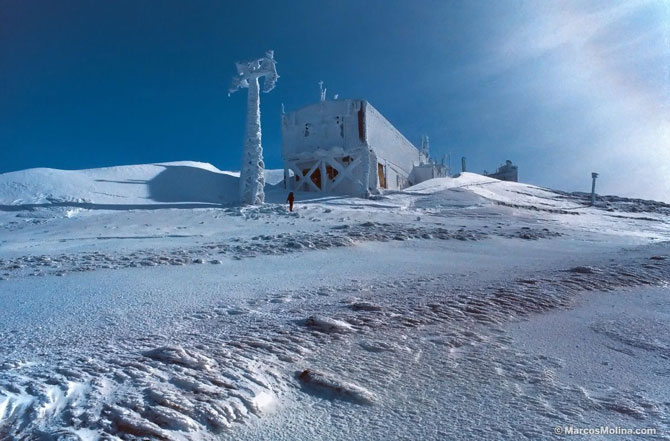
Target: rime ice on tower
252,178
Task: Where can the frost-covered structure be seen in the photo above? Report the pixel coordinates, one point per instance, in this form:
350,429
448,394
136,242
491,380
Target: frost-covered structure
252,178
345,147
429,169
506,172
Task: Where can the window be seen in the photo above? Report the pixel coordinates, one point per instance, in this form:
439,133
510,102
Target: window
315,176
331,172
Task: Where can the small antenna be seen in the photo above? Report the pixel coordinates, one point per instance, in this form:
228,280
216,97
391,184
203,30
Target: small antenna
594,175
322,90
425,149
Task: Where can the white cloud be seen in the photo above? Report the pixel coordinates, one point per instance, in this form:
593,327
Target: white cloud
620,93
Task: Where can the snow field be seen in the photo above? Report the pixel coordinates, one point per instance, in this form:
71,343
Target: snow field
210,380
124,316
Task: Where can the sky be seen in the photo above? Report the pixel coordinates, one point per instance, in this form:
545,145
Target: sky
561,88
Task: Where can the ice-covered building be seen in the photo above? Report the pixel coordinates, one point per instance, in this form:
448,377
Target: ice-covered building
506,172
427,170
345,147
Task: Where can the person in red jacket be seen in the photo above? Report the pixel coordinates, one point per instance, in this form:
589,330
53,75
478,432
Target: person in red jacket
290,200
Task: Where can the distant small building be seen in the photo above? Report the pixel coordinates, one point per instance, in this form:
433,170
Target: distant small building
424,172
427,170
348,147
506,172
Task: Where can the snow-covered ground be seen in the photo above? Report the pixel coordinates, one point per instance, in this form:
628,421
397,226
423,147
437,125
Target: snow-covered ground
140,302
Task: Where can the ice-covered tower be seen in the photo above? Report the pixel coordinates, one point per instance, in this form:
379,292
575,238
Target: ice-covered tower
252,175
425,149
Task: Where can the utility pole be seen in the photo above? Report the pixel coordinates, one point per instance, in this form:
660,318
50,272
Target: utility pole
594,175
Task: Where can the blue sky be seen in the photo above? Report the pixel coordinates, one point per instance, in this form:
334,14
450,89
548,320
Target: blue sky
562,88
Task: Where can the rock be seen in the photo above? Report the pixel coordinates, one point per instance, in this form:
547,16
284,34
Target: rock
583,270
365,306
327,325
332,387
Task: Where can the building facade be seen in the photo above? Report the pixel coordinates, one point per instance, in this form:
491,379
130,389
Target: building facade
345,147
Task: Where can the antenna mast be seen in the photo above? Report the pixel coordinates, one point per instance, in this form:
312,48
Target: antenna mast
322,91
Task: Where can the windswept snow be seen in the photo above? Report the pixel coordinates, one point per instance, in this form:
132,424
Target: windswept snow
124,187
463,308
511,194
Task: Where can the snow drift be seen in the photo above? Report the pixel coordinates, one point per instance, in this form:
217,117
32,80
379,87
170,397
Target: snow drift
117,187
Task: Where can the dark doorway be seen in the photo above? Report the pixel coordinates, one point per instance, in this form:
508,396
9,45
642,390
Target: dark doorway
382,176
